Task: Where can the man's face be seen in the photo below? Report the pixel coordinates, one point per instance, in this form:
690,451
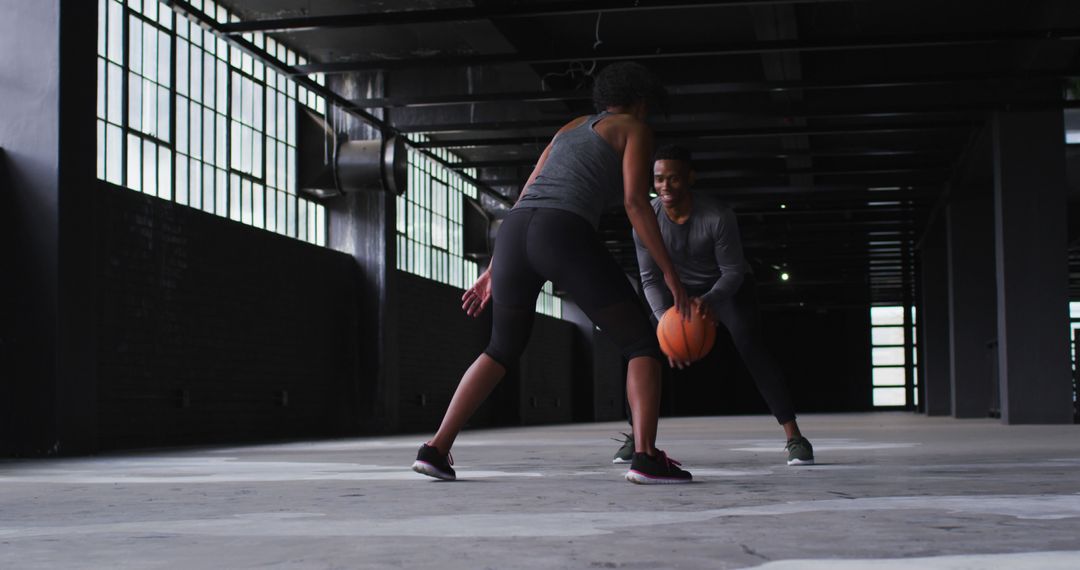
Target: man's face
672,180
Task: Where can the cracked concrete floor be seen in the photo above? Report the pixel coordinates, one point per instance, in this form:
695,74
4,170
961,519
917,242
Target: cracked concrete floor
902,490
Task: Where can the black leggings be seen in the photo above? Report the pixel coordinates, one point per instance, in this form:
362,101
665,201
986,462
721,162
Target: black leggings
739,315
544,244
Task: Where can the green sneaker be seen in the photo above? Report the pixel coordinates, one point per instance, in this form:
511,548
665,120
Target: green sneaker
799,451
625,454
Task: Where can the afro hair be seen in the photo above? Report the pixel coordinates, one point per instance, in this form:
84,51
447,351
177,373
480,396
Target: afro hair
627,83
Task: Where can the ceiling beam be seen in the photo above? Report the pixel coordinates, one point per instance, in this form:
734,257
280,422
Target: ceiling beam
953,39
710,134
726,87
700,156
769,110
500,10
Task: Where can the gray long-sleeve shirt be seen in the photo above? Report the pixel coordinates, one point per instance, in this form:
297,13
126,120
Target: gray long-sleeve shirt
706,250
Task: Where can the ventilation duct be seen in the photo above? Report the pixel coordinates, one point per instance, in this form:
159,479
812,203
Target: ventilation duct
328,164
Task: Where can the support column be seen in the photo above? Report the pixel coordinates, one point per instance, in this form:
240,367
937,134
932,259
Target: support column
47,130
1030,214
933,326
363,225
972,303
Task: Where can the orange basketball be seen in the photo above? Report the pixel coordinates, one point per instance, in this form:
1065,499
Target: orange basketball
685,341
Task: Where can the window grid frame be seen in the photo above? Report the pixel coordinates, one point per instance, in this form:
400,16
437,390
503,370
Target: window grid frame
312,228
883,388
418,214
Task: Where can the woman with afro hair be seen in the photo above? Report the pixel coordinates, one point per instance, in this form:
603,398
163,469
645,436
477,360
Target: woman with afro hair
550,234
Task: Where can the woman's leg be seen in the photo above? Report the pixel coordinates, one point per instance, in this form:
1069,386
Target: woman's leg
479,380
643,393
515,286
567,252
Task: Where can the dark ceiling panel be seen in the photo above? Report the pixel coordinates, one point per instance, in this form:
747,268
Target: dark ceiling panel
805,104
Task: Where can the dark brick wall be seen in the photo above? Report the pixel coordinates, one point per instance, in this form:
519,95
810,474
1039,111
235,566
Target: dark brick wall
437,343
211,331
547,373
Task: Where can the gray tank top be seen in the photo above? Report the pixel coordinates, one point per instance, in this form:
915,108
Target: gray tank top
582,174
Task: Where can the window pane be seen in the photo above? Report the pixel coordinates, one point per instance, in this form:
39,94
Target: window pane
222,159
880,356
195,184
135,39
182,67
116,32
886,315
887,335
114,154
245,149
234,197
150,168
195,139
180,191
134,162
164,53
150,49
221,192
101,80
245,202
257,206
100,149
181,125
888,376
149,120
196,75
135,92
102,30
208,135
164,186
256,155
208,188
163,113
888,396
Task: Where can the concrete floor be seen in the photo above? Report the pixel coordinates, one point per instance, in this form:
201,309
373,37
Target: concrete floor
904,490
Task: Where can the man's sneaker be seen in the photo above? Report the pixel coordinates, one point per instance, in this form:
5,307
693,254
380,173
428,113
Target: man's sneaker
799,451
659,470
433,464
625,454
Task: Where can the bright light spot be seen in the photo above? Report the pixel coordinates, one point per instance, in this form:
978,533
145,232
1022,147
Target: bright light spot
783,206
784,276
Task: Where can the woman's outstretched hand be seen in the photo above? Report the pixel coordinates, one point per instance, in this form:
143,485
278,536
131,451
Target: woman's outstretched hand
477,297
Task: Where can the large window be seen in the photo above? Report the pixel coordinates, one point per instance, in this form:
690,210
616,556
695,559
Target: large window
429,227
185,117
888,357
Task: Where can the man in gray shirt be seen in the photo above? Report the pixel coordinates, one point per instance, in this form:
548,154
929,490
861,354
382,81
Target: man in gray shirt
703,239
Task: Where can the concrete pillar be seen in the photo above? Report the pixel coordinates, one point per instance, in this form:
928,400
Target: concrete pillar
47,130
1030,213
972,303
933,326
363,225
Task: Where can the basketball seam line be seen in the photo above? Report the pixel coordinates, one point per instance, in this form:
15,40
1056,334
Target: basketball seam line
686,340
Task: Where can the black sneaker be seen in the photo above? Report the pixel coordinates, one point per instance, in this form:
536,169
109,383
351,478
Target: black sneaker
659,470
433,464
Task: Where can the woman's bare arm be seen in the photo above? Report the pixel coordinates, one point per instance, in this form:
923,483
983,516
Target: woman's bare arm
637,158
